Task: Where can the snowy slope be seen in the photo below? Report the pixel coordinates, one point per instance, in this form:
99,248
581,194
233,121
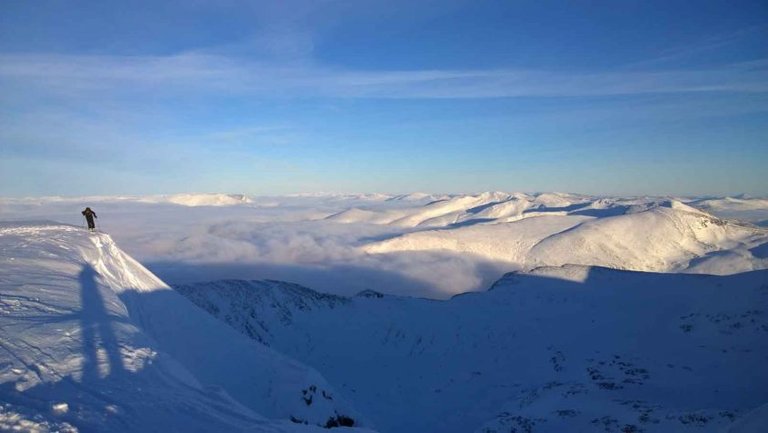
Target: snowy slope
569,348
467,209
753,422
754,210
89,337
438,213
666,236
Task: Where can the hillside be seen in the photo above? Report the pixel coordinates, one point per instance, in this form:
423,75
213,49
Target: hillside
92,341
666,236
754,210
569,348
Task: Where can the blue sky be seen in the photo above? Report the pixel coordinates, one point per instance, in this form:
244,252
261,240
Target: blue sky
627,97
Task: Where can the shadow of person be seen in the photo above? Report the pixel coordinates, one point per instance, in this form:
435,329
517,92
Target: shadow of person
101,350
109,376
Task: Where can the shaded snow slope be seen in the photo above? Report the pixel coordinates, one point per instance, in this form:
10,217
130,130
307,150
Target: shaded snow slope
754,422
569,348
89,337
665,237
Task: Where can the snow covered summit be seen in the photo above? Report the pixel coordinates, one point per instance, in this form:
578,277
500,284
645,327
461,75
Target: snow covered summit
92,341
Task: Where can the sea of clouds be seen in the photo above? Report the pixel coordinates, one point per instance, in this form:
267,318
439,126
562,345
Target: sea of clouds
281,238
188,238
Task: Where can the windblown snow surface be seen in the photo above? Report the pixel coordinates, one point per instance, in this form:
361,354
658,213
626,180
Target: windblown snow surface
92,341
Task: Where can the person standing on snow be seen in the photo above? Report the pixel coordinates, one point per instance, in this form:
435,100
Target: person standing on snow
89,216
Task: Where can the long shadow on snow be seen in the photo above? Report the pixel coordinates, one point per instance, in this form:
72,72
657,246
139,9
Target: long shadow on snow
103,395
97,380
568,208
602,213
96,326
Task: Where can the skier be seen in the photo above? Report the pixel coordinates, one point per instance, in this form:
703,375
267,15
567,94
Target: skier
89,216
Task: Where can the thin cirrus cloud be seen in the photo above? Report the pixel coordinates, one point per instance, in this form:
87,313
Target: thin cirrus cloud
85,75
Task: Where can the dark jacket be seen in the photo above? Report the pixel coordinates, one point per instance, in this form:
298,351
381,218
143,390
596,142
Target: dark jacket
89,216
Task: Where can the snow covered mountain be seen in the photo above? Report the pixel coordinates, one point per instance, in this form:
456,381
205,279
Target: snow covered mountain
92,341
665,236
754,210
571,348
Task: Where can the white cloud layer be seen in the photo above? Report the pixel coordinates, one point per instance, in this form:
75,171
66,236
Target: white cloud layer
403,245
281,238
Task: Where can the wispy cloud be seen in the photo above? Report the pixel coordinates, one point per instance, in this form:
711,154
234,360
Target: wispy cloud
702,47
84,76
